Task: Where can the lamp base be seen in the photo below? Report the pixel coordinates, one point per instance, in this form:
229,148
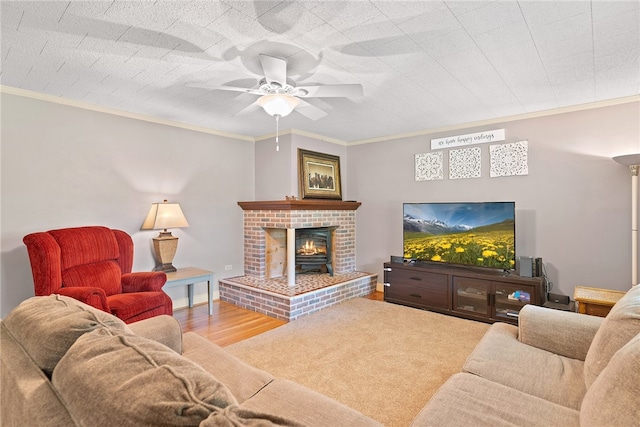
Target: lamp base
167,268
165,246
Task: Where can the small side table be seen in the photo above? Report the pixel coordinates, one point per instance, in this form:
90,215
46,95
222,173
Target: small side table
596,301
190,276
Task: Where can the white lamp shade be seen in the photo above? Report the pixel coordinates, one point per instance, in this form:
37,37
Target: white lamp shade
278,104
628,160
163,216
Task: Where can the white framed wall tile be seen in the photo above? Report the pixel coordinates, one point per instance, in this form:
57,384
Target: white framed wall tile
509,159
465,163
429,166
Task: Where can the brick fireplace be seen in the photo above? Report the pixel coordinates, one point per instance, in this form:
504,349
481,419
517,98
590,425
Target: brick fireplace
272,284
266,225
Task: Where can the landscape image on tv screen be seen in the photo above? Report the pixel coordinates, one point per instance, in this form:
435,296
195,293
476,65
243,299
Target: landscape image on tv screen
475,234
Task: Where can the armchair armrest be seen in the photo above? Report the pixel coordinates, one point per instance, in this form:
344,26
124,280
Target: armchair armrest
163,329
95,297
561,332
151,281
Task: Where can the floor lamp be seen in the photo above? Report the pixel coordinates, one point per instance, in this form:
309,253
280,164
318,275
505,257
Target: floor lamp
633,161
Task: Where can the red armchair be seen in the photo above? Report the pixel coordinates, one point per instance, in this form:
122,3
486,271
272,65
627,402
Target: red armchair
93,265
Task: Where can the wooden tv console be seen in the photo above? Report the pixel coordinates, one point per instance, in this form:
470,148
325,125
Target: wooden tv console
487,296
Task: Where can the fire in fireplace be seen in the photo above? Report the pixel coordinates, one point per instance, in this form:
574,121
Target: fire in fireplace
313,249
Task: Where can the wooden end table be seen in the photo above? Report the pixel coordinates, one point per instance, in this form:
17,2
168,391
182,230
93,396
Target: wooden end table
596,301
190,276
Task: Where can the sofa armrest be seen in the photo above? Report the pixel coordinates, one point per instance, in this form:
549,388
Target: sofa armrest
95,297
560,332
144,281
163,329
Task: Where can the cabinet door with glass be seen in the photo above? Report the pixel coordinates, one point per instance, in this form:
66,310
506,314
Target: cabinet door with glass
509,300
472,296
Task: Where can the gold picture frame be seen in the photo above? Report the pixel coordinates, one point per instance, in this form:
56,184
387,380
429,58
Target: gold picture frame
319,175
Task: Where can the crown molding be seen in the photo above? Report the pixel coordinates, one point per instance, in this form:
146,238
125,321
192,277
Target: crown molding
86,106
294,131
552,112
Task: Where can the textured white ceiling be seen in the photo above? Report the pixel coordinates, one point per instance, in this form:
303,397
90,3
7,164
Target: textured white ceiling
423,64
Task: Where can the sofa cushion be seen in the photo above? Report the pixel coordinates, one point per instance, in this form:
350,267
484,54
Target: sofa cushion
501,358
621,324
47,326
612,399
242,379
85,245
128,306
27,397
305,406
127,380
469,400
103,274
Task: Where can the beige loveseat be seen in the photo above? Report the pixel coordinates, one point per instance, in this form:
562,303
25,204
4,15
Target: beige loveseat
555,369
65,363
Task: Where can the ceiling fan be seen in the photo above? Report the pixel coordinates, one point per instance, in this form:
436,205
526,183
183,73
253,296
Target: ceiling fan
279,96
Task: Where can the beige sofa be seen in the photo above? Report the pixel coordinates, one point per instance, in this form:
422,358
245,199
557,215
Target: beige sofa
65,363
555,369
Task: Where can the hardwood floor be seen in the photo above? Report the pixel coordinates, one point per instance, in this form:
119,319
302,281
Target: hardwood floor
229,323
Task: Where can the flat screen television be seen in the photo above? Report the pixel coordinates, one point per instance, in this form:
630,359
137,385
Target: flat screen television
478,234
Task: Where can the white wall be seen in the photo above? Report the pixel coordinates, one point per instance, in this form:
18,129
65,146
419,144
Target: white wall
573,209
63,166
277,171
273,175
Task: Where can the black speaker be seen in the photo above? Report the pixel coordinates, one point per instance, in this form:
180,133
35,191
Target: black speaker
538,269
570,306
524,266
558,298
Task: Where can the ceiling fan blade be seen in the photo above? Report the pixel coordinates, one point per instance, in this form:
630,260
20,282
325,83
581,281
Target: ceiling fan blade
248,109
309,111
275,69
330,91
229,88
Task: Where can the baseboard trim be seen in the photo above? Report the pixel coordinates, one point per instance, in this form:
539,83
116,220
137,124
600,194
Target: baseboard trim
198,299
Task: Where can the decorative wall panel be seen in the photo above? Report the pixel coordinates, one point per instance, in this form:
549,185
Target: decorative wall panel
465,163
429,166
509,159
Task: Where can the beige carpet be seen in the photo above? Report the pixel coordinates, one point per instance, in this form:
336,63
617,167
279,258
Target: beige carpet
383,359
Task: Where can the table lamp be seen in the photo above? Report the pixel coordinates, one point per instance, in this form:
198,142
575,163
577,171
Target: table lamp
162,216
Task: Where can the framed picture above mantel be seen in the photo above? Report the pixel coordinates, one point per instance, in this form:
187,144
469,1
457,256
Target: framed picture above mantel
319,175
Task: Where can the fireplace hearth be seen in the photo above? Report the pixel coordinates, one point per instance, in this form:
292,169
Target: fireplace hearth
299,258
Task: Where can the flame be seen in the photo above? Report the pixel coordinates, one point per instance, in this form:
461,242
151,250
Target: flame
309,248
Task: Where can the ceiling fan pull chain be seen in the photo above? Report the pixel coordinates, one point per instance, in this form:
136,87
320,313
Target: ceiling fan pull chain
277,116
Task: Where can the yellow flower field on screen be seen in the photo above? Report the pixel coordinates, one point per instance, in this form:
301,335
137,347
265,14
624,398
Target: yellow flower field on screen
487,249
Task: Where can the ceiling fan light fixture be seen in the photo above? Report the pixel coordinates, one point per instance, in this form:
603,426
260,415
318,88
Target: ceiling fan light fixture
278,104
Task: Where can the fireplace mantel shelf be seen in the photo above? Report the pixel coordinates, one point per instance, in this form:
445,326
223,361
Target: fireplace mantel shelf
296,205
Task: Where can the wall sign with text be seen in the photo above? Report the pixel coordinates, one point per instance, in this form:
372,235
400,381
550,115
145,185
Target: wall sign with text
468,139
